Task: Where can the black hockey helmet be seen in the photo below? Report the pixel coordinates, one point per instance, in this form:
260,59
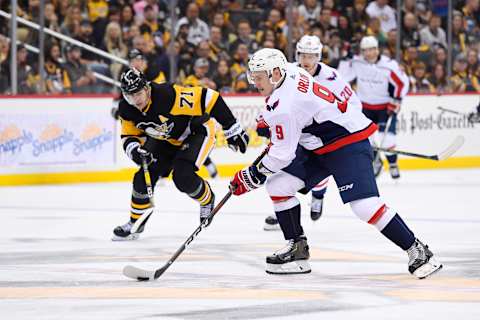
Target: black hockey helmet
132,81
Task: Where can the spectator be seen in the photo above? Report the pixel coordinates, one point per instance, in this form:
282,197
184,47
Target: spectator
472,62
97,14
471,12
439,80
359,16
150,21
275,23
4,64
380,9
217,46
225,27
433,35
375,30
391,44
198,29
199,78
460,40
56,78
27,78
51,18
71,24
85,35
309,11
245,36
138,61
410,35
82,79
325,21
418,81
203,50
114,45
345,30
409,58
239,69
461,80
126,18
440,57
222,77
153,59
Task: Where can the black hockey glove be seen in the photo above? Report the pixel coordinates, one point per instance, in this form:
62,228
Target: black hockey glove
137,154
237,138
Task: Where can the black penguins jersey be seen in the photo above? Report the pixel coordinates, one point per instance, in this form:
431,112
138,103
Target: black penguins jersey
169,112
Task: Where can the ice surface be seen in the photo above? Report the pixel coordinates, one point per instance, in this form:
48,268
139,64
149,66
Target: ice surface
57,260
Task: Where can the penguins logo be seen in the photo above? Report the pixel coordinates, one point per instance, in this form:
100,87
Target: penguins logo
154,130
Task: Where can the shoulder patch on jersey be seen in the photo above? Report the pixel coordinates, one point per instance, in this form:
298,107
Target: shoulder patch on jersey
333,77
273,106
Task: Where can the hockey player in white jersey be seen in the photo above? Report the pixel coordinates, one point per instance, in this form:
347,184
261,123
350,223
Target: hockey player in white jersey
314,136
308,56
381,85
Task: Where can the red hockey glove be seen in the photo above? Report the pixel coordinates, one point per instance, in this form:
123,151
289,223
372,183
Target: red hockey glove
247,180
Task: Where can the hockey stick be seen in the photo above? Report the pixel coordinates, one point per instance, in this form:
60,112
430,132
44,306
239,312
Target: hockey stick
473,117
451,149
387,126
148,181
146,275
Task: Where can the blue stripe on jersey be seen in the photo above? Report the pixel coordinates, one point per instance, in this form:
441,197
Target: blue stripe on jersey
328,131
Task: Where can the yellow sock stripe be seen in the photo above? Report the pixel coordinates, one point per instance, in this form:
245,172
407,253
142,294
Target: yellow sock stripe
135,216
206,199
140,206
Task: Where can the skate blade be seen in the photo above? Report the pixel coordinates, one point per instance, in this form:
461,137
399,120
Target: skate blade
271,227
295,267
428,269
131,237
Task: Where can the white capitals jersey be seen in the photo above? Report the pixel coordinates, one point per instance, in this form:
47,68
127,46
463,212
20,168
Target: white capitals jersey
302,111
331,78
377,83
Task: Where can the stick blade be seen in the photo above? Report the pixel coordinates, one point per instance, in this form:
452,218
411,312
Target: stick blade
451,149
138,274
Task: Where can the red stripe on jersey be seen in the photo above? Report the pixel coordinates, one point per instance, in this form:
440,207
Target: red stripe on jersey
352,138
378,215
280,198
369,106
398,82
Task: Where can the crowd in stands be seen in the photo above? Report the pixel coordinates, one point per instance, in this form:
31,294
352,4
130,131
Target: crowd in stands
212,40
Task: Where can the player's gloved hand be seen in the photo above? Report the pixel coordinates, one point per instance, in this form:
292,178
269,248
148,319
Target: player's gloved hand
394,107
246,180
263,130
137,154
237,138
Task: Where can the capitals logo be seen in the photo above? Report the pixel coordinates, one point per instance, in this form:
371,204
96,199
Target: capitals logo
52,139
12,139
92,138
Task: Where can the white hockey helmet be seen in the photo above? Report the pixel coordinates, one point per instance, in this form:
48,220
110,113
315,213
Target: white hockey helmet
311,45
368,42
267,59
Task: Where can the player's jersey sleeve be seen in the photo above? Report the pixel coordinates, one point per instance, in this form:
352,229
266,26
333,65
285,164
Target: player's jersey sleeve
130,134
285,134
347,71
398,81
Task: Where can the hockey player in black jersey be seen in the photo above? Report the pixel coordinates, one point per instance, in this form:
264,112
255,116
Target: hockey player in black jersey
172,128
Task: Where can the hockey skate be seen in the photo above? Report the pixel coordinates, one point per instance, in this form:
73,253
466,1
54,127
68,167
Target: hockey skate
316,208
394,171
293,259
271,224
122,233
206,210
421,261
